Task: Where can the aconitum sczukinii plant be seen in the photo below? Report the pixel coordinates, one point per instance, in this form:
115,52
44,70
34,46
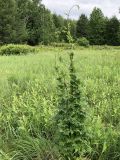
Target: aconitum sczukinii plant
70,116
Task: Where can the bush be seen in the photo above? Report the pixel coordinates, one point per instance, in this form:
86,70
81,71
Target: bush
12,49
83,42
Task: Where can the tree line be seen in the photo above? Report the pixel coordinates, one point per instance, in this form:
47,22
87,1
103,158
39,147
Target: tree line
29,21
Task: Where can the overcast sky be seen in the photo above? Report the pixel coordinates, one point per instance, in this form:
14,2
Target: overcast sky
109,7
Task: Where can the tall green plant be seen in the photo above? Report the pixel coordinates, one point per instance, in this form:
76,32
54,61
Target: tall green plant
70,116
69,36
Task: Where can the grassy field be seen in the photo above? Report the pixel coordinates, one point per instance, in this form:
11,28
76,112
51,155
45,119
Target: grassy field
28,103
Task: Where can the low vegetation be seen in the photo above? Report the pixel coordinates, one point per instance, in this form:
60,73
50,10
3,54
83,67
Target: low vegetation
12,49
83,42
31,102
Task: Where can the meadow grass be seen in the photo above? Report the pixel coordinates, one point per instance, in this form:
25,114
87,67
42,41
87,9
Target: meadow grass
28,102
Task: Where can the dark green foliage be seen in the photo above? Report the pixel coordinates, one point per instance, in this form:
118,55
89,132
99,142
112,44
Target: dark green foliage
97,27
48,27
40,24
70,116
16,49
29,21
25,21
34,23
12,22
7,21
113,32
21,18
58,21
21,32
82,28
83,42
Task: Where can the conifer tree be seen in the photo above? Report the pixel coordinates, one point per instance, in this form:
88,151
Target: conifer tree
113,32
97,27
82,28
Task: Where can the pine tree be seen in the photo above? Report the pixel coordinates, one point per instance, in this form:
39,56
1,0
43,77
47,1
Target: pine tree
82,28
113,32
97,27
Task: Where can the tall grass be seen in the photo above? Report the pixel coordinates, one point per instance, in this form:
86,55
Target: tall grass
28,100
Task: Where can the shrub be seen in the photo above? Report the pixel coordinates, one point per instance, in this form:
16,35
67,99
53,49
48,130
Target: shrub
83,42
12,49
